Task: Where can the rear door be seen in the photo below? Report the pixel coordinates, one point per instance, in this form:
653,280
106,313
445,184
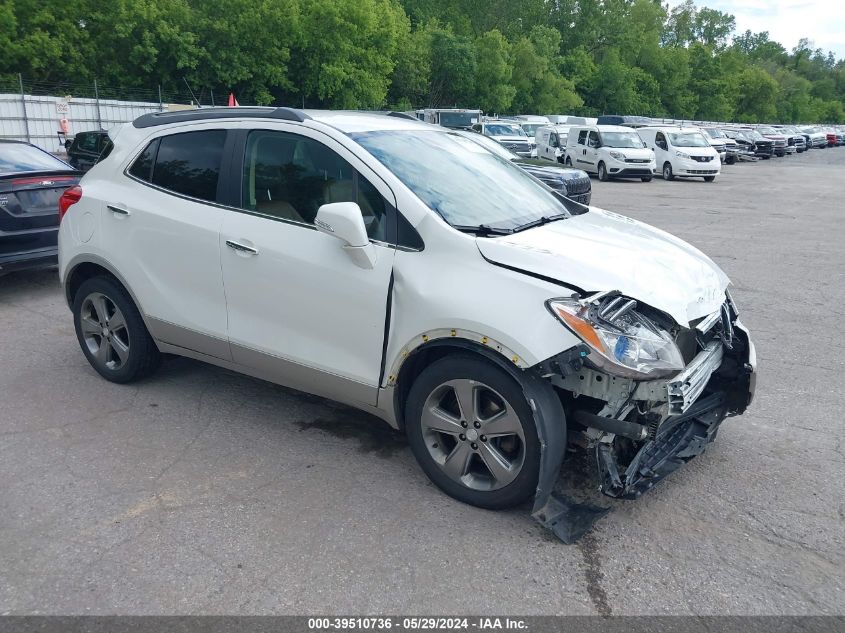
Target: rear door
300,310
161,220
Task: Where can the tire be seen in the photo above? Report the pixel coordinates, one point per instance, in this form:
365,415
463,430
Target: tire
766,157
496,397
709,178
646,178
730,161
112,333
602,172
667,171
568,162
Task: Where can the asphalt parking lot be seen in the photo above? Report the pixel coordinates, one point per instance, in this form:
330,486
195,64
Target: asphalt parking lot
203,491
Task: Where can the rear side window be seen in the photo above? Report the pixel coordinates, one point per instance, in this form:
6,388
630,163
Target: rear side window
187,163
143,166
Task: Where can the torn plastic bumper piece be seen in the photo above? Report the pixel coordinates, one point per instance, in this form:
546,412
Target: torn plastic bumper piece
567,519
679,439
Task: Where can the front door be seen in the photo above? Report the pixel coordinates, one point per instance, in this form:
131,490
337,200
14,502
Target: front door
300,310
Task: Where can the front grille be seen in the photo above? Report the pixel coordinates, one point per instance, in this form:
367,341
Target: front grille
639,161
780,143
578,185
719,148
702,172
702,159
517,146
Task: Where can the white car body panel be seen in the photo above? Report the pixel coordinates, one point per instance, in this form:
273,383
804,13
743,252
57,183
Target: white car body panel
685,167
600,251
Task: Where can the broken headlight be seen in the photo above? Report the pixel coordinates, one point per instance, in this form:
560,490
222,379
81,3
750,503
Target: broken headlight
622,340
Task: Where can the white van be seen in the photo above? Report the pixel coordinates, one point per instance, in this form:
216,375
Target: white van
530,123
551,142
682,152
610,151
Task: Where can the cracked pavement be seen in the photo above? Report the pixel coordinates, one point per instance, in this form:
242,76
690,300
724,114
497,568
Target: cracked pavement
203,491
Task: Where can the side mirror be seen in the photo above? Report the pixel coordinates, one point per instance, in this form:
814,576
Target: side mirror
344,221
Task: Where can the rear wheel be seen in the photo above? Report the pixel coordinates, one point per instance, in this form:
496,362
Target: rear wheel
603,172
473,433
667,171
112,333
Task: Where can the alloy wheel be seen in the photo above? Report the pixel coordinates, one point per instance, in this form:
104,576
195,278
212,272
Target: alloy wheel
104,331
473,434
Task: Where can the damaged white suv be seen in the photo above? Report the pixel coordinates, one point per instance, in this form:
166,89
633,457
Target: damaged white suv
402,269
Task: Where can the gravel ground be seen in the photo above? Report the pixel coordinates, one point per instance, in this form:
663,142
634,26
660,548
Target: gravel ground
203,491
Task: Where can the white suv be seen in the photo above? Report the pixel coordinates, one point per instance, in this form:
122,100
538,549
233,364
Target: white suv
402,269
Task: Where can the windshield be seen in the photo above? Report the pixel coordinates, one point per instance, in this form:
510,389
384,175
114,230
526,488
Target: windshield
715,132
460,180
503,129
458,119
621,139
688,139
20,157
768,130
531,128
810,130
489,144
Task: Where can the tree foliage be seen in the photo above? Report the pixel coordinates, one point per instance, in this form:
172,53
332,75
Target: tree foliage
530,56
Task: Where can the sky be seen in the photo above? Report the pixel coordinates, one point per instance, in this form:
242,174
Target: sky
787,21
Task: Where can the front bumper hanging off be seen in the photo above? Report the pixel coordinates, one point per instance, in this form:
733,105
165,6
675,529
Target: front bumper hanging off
718,383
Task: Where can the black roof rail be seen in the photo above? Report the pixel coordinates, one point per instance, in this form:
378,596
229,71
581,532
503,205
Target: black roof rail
204,114
402,115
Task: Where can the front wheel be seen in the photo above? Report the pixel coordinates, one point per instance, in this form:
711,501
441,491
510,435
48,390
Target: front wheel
667,172
472,432
603,172
112,333
568,162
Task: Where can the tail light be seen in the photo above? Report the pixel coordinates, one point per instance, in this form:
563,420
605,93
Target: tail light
71,196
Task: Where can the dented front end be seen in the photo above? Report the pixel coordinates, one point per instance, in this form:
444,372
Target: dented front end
642,430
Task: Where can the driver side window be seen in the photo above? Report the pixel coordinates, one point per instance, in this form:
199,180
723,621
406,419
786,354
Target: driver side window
593,140
290,177
660,141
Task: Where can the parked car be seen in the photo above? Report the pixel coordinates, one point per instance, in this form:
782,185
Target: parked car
87,148
565,119
508,134
718,141
456,118
31,182
609,151
818,138
572,183
780,145
717,136
794,137
753,140
626,120
551,142
443,289
682,152
530,123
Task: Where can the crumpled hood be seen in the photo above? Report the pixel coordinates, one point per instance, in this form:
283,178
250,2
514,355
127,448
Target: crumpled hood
601,250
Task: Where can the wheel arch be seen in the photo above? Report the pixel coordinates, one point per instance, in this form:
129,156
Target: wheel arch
410,365
83,268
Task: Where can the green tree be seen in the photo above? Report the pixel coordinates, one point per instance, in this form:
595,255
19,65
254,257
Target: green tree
345,55
453,69
493,70
756,96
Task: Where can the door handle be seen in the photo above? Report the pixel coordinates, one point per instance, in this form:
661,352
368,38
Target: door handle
120,210
241,248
